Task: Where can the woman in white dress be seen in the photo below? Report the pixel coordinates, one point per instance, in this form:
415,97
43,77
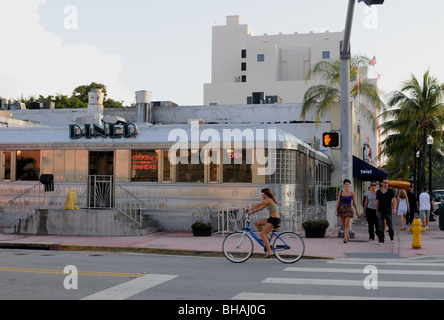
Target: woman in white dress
403,207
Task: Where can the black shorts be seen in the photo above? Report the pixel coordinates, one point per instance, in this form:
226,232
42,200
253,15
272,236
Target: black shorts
274,221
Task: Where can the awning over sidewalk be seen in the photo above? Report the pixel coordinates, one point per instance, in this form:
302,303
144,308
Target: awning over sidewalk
366,172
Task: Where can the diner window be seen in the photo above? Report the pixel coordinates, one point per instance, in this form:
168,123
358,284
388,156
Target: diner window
235,167
144,165
189,168
214,156
7,157
28,165
166,167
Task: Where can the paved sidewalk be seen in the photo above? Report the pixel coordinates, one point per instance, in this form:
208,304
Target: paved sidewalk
183,243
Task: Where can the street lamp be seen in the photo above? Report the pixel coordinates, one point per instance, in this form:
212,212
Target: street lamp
417,176
430,144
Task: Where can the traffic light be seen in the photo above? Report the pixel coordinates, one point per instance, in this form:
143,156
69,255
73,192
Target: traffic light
372,2
330,139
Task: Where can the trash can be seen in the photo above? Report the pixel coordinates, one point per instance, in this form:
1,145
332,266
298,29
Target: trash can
48,181
441,215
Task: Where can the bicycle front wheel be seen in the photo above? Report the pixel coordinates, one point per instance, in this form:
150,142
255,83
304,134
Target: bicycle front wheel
288,247
237,247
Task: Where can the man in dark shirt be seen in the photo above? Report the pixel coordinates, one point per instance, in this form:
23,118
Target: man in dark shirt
412,204
386,205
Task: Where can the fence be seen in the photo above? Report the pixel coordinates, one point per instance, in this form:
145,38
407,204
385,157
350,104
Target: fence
229,216
92,192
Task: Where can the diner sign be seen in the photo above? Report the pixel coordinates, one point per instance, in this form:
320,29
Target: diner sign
108,130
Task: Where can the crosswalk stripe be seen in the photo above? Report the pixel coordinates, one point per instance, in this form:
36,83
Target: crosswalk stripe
380,271
404,264
330,282
282,296
128,289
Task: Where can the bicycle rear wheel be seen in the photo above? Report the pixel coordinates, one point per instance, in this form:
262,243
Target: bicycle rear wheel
288,247
237,247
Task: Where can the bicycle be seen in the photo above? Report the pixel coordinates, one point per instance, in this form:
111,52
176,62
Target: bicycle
288,247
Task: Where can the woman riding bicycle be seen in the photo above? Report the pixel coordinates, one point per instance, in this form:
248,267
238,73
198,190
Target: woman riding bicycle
265,226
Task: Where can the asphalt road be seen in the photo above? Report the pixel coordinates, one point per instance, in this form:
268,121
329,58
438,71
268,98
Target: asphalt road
39,275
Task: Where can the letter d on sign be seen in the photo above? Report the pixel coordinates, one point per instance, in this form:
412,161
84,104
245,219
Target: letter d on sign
71,281
371,281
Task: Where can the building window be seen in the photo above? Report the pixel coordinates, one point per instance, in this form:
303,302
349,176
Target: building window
244,78
261,57
189,168
235,167
28,166
244,53
166,166
244,66
144,165
325,54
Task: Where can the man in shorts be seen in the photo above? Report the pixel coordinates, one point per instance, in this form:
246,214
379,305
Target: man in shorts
424,207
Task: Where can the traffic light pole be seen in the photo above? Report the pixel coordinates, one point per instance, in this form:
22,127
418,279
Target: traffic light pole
346,112
346,109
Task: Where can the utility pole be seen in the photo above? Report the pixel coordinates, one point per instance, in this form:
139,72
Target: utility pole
346,109
346,112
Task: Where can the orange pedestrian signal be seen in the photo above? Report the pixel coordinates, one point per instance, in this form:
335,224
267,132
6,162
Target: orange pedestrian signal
330,139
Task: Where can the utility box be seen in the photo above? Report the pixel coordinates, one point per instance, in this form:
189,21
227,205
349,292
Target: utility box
441,215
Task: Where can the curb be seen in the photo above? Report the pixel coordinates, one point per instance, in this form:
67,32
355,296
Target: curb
160,251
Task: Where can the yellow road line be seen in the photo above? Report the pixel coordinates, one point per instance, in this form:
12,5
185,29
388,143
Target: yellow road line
84,273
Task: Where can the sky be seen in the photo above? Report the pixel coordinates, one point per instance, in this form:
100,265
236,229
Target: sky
53,46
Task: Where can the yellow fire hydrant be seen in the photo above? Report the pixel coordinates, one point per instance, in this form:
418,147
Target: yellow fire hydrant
417,230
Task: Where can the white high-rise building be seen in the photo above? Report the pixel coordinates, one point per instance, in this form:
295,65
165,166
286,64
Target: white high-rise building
275,67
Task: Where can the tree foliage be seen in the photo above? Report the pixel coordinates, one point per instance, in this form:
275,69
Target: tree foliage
78,99
416,112
326,91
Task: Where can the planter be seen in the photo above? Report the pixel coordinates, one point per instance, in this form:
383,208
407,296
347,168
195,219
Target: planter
315,233
203,232
315,228
202,229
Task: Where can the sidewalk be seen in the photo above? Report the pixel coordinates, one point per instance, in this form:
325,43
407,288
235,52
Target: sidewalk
183,243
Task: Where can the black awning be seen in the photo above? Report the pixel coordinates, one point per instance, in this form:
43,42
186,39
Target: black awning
366,172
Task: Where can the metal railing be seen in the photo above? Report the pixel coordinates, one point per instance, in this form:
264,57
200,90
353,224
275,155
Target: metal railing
229,216
92,192
129,205
24,204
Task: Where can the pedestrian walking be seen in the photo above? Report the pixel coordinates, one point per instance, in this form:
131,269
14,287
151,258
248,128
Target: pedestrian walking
386,207
424,207
344,208
412,205
403,207
370,211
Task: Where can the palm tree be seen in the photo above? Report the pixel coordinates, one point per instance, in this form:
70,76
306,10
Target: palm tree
322,95
419,113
